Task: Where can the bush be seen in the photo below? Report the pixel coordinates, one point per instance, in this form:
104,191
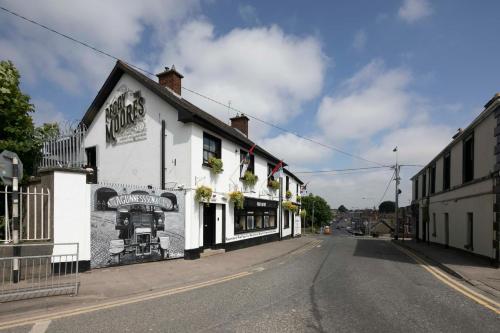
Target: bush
216,164
249,179
203,194
237,198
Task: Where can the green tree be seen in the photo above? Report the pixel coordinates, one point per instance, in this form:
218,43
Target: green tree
322,211
17,131
387,207
342,209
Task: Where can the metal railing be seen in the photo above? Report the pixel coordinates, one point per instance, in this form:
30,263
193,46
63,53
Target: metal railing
45,269
34,214
66,150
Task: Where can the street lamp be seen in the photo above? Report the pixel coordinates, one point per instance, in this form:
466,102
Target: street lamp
396,170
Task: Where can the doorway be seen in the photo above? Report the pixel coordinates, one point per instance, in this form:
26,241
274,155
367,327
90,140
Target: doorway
209,225
91,163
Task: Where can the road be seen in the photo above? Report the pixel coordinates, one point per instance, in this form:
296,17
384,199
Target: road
343,284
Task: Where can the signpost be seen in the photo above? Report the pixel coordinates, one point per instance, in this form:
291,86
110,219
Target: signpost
11,170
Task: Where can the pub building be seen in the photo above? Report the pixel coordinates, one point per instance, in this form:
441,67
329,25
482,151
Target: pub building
143,132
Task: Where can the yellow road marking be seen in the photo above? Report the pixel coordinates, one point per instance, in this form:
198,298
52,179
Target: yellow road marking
112,304
477,297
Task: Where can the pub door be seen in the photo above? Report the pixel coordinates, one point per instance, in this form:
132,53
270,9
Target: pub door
208,225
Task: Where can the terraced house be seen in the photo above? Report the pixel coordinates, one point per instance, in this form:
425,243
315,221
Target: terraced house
457,196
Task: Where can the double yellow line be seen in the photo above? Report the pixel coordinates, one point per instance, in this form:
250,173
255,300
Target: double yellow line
113,304
477,297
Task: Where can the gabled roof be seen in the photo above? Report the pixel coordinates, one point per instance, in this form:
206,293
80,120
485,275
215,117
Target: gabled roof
187,112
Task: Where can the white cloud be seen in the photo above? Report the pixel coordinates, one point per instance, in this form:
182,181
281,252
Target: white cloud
296,152
373,100
114,26
414,10
262,71
46,112
359,41
249,14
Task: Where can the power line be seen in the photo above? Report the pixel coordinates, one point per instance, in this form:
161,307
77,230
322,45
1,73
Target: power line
336,170
331,147
388,184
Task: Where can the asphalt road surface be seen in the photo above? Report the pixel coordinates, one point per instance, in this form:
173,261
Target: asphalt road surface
343,284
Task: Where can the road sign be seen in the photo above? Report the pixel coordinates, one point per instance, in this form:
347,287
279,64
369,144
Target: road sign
6,171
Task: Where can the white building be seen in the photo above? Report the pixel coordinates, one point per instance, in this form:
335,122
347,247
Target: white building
141,132
456,196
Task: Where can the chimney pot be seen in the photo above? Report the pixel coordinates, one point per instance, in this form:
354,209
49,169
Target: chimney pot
171,78
240,122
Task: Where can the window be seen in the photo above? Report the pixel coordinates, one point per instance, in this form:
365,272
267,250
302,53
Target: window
297,189
424,184
211,147
270,169
416,189
433,178
286,223
470,232
468,159
254,220
287,183
446,171
247,163
434,224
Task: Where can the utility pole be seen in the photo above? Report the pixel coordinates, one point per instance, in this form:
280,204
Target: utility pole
312,220
397,195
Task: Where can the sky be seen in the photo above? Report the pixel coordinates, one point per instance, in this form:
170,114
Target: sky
360,76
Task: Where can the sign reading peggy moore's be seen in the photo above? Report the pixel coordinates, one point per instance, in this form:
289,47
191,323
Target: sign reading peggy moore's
125,117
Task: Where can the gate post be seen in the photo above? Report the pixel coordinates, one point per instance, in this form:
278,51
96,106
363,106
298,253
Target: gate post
15,219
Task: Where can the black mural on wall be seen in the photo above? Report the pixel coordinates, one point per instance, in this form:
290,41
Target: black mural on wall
136,225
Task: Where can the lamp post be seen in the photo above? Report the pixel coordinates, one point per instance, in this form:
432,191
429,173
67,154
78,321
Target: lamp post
396,208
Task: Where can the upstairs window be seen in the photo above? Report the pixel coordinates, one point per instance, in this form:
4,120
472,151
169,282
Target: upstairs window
433,178
416,189
424,184
270,169
287,184
468,159
447,171
211,147
247,163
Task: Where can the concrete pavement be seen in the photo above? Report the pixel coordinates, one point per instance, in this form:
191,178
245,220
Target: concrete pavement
342,284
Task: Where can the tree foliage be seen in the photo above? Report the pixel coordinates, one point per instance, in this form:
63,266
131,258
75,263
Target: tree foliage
322,211
387,207
17,131
342,209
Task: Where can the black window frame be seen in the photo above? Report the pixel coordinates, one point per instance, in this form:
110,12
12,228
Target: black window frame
447,171
251,166
432,176
424,184
287,179
286,219
255,212
468,159
217,152
416,188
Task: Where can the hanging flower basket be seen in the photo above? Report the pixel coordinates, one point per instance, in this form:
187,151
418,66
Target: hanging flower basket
288,205
298,198
288,194
203,194
273,185
216,165
237,198
249,179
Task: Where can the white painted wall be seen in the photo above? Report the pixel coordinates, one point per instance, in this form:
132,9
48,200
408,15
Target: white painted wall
71,213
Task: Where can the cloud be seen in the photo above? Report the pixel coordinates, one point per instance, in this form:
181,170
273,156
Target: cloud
414,10
372,100
359,41
113,26
261,70
299,153
46,112
249,14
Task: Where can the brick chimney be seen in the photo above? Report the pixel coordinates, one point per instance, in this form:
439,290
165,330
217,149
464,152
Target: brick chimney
240,122
171,78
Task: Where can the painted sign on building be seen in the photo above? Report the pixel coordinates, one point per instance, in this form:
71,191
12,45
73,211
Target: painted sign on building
125,117
130,224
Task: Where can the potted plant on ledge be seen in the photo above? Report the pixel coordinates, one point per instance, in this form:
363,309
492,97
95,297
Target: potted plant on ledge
203,194
249,179
216,165
288,194
273,184
237,198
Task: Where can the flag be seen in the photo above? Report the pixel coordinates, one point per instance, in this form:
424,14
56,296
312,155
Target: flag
276,168
250,152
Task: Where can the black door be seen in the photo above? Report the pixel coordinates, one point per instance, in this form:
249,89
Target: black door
91,163
208,225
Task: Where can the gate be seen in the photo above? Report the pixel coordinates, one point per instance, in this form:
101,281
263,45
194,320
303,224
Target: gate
45,269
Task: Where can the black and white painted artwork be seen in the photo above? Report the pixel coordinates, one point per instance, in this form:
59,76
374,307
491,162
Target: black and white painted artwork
131,224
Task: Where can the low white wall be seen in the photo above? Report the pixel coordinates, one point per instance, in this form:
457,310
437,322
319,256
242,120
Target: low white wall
71,213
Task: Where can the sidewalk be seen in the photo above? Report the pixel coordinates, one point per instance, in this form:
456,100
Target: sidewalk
475,270
124,281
